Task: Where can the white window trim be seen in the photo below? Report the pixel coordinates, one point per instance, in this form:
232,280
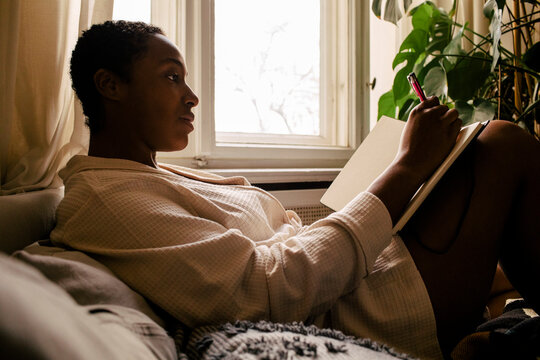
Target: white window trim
187,23
274,176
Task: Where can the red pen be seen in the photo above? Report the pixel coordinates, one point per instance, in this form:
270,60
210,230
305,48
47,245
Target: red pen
413,80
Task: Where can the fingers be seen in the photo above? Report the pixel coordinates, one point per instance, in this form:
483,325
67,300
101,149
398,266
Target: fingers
450,116
433,109
430,102
437,111
455,127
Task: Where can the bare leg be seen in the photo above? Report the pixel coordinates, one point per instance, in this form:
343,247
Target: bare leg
489,201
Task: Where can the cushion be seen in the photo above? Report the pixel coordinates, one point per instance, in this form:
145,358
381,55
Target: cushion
39,320
27,217
87,281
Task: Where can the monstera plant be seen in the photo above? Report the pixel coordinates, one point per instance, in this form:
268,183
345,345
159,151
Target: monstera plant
469,71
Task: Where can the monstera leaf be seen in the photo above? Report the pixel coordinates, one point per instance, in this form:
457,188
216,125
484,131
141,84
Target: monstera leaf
435,82
468,76
493,11
475,111
392,9
473,73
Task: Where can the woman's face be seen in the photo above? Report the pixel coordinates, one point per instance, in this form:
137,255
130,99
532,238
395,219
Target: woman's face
158,101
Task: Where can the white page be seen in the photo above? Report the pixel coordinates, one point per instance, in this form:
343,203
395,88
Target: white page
375,154
371,158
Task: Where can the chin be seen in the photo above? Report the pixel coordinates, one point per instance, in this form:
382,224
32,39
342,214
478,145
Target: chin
175,147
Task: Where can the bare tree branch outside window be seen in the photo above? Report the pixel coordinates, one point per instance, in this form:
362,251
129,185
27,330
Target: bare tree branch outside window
267,66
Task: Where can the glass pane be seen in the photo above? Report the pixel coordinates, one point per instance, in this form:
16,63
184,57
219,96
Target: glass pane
132,10
267,66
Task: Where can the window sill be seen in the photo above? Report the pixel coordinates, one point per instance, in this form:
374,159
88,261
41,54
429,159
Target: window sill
281,176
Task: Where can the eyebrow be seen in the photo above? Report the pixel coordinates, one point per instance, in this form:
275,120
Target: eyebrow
175,61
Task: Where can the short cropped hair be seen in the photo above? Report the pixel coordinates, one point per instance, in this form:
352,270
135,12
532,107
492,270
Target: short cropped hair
114,46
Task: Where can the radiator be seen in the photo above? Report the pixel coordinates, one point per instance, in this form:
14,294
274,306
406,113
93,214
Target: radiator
306,203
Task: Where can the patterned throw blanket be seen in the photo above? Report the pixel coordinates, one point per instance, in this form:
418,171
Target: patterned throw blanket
265,340
513,335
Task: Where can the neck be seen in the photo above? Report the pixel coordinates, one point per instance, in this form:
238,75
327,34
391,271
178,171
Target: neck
106,145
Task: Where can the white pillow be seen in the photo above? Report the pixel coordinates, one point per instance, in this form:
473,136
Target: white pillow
27,217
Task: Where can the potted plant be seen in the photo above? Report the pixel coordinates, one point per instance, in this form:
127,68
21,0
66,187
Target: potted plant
488,81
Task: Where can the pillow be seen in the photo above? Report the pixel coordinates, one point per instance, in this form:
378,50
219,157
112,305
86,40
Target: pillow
85,279
27,217
38,320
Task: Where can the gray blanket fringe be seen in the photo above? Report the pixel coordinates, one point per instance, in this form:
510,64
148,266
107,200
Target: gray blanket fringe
201,340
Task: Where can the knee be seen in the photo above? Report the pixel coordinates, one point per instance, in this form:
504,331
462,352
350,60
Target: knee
504,132
506,140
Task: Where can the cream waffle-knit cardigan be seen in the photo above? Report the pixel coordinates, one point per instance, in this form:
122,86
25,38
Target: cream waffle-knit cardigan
209,249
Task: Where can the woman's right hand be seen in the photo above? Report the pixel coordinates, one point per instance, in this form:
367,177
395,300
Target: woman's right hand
429,135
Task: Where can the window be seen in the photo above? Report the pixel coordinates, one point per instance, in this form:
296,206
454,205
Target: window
267,79
281,83
132,10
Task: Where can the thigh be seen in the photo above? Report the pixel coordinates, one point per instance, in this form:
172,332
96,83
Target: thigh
457,236
454,239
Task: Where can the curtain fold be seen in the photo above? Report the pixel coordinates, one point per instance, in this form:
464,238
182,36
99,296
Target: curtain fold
41,124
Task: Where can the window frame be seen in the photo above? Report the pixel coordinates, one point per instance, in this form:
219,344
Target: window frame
189,23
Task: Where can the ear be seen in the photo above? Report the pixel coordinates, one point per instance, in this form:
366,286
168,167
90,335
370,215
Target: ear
108,84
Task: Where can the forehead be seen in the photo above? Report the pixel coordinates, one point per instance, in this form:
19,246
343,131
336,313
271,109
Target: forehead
160,50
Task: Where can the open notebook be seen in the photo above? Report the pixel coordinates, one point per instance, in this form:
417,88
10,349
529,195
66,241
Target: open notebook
374,155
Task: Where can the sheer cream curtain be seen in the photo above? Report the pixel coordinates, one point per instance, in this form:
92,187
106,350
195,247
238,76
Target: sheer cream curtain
41,124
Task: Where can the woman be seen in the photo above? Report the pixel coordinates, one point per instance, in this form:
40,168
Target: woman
209,249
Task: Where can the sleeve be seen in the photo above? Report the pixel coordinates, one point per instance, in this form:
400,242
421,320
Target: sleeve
201,272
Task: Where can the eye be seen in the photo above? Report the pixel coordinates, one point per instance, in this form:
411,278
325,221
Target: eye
173,77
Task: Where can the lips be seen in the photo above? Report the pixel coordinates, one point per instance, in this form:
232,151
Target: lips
188,120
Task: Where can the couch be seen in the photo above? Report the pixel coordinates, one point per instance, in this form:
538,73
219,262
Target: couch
58,303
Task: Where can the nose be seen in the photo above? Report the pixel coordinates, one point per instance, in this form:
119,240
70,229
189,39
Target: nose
191,99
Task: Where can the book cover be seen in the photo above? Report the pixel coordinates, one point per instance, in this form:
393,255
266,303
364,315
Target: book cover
376,153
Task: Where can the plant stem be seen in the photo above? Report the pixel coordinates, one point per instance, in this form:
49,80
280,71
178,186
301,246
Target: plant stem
486,40
517,53
528,80
529,43
476,46
502,49
525,24
529,109
521,18
499,93
528,40
480,45
483,37
456,4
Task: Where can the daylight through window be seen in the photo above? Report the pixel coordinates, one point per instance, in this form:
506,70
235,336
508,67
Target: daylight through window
267,66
